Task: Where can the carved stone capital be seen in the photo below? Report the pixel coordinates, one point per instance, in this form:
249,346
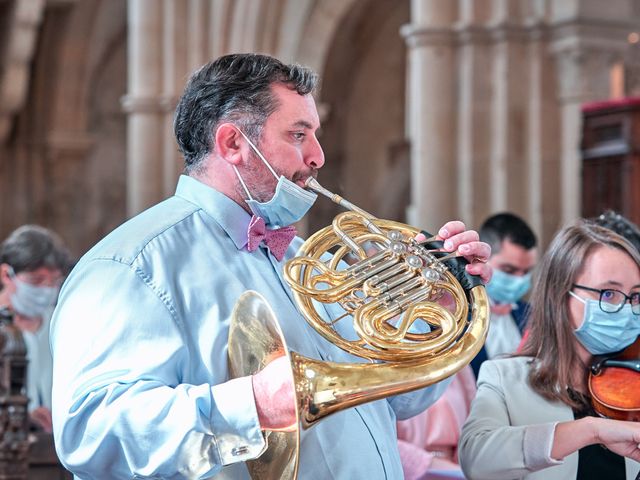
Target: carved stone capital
584,52
148,104
505,31
498,32
417,36
470,34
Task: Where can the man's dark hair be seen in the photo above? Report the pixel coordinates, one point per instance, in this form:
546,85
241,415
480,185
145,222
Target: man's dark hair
30,247
507,226
233,88
621,225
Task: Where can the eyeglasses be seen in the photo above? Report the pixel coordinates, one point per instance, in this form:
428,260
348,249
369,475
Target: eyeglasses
612,301
46,279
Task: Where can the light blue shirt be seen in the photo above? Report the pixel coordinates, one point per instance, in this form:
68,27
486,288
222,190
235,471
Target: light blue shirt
141,387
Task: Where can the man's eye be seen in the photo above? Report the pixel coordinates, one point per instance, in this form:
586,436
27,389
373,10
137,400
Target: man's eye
298,135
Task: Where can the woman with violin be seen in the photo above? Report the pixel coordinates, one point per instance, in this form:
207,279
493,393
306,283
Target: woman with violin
533,416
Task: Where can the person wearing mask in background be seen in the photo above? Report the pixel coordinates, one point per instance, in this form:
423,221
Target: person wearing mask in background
532,417
33,263
514,254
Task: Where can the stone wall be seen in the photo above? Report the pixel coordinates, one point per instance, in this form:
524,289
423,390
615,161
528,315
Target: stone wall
432,110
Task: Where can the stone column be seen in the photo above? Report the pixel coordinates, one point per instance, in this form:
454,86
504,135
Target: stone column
175,71
474,109
21,25
431,112
144,106
583,76
541,145
587,41
508,184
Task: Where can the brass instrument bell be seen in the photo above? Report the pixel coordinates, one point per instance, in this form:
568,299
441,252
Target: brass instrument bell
410,319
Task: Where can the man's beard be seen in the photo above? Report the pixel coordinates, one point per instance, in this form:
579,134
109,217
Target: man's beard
257,172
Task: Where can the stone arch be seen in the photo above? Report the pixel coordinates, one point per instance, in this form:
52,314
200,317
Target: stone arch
53,148
19,23
357,48
315,30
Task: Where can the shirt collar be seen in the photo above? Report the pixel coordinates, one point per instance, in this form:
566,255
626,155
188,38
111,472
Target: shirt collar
233,219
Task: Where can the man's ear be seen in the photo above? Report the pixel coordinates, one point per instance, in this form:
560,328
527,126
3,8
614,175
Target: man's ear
228,143
4,273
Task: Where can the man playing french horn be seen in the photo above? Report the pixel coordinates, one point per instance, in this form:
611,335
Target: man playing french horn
142,387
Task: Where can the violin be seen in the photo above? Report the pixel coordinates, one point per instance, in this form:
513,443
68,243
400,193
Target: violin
614,384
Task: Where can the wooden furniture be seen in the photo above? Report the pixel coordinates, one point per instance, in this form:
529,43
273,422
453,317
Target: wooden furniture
14,444
43,461
611,158
24,455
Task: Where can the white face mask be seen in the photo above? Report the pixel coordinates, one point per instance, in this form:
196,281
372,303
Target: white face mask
31,300
289,203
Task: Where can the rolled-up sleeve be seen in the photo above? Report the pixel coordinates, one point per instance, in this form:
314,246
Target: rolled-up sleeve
121,405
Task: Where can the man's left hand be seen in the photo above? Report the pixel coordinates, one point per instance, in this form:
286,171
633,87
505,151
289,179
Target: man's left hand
467,243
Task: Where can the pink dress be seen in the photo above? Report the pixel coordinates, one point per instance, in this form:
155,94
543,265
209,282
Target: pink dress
435,432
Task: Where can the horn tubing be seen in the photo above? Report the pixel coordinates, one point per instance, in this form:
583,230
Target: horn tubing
312,184
324,388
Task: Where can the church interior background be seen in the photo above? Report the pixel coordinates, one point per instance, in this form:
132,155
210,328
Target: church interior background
431,109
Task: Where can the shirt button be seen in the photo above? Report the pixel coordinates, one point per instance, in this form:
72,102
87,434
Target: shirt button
236,451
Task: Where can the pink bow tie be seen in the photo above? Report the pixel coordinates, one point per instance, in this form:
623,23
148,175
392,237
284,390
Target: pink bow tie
277,240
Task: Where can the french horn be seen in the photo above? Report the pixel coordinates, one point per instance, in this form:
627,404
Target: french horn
415,317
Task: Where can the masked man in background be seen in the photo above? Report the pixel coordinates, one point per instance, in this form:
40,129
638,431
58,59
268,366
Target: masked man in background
33,262
514,253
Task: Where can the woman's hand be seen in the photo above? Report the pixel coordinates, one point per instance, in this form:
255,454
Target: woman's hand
618,436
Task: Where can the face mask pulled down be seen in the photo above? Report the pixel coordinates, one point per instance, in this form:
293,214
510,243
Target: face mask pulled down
603,332
289,203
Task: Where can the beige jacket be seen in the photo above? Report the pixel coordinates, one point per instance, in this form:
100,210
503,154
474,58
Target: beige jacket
510,429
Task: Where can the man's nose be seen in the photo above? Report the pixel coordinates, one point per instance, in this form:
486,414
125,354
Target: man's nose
314,156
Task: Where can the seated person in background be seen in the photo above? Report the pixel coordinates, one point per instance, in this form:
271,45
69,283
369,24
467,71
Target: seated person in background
532,416
33,262
428,442
513,256
620,225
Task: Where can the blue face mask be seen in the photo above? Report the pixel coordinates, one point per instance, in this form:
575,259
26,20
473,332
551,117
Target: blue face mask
603,332
32,300
289,203
506,288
